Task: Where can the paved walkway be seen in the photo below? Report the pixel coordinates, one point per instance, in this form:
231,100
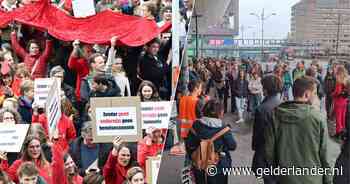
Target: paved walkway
170,170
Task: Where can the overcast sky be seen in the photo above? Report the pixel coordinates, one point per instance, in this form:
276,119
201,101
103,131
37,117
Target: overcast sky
276,26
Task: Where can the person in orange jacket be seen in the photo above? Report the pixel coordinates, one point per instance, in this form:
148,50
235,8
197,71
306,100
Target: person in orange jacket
188,107
151,145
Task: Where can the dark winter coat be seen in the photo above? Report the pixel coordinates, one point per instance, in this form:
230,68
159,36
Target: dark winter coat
206,128
263,116
75,153
152,69
112,91
343,160
240,88
25,110
297,136
329,84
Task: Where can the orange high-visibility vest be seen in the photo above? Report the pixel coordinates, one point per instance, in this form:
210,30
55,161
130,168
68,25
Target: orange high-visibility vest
187,114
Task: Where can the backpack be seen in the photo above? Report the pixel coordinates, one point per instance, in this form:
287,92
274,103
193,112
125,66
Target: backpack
205,154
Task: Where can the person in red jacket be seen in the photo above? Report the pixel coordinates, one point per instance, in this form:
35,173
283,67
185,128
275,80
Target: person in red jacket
118,163
151,145
71,171
65,128
340,99
35,61
78,63
32,152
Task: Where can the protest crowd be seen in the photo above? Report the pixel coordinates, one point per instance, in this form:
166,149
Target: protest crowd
290,105
84,69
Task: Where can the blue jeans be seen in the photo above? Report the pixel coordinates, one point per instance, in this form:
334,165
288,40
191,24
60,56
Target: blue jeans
241,105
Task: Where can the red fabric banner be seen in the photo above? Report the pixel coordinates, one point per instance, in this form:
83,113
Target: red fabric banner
131,30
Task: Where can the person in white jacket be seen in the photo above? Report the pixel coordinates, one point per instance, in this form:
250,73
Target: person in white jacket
255,90
114,66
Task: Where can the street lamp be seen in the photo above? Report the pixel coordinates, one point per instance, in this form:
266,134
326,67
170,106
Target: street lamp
196,16
262,18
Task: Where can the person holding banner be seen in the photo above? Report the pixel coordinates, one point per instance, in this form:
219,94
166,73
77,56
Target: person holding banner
118,163
114,67
151,145
35,61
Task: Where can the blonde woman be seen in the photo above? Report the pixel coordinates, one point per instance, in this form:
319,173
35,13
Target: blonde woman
340,99
135,175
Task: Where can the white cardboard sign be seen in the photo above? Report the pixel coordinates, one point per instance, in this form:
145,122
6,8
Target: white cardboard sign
83,8
12,136
53,107
155,114
111,121
42,88
116,116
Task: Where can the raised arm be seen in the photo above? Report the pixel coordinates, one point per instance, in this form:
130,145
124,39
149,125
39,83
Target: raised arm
16,46
111,56
48,48
74,56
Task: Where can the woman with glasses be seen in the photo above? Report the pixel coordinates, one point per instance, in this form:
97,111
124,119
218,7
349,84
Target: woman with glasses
8,116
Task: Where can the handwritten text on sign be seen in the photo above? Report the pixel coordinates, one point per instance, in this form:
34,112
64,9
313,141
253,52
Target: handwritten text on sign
42,88
12,136
113,121
53,107
155,114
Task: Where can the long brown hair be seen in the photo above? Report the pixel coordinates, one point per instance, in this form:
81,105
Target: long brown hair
25,155
341,74
155,94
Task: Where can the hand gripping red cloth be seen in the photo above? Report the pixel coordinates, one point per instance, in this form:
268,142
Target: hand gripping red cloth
99,28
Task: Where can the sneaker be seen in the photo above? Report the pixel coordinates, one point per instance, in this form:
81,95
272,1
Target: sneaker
240,121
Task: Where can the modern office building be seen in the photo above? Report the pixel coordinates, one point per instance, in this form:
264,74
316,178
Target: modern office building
322,23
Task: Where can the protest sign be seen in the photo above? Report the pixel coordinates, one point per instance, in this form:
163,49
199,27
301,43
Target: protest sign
152,169
53,107
155,114
12,136
42,88
83,8
116,116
